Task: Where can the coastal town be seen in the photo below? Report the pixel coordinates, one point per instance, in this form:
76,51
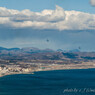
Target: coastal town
30,68
30,60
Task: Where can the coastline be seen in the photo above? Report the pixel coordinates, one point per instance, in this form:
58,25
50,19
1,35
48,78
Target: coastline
87,65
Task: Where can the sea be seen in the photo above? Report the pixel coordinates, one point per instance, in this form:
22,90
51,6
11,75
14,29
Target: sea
58,82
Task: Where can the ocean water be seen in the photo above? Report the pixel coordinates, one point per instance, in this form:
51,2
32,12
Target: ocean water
61,82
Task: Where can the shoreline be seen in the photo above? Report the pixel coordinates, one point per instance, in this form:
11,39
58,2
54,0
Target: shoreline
88,65
43,71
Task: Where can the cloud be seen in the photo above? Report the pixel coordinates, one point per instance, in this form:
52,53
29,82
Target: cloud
92,2
57,19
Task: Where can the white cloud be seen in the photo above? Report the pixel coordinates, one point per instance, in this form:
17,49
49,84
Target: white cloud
47,19
92,2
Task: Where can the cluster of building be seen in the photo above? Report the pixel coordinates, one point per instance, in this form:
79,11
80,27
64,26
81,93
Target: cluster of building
13,69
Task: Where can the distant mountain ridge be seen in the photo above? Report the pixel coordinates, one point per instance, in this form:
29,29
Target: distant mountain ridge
45,54
33,49
2,48
23,50
74,50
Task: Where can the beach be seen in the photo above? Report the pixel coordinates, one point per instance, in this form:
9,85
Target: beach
84,65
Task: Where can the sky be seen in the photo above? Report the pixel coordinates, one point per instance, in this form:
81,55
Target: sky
39,5
67,24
